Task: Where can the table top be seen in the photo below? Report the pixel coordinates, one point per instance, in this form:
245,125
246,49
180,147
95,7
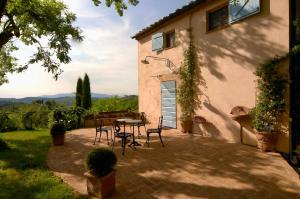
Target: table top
133,121
123,119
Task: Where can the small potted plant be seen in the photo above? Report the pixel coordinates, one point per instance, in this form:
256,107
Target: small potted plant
186,122
101,175
58,131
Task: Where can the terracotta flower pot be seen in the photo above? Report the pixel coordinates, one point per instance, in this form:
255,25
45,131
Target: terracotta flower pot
187,126
101,187
58,140
266,141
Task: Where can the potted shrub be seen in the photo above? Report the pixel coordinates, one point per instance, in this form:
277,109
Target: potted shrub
101,175
58,131
187,91
270,103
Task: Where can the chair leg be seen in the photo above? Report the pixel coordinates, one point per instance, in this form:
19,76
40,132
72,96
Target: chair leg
113,144
100,136
111,138
145,128
139,133
123,145
95,139
107,137
161,140
148,140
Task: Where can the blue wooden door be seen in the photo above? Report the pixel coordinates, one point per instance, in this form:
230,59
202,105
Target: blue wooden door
168,103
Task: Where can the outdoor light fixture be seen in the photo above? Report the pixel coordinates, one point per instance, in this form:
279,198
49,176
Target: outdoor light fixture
168,63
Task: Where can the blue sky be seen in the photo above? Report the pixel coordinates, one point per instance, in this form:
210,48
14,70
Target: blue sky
107,54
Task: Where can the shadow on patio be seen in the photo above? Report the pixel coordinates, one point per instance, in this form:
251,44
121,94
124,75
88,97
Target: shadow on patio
188,167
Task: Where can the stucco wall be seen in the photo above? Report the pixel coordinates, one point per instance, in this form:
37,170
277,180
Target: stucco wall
228,58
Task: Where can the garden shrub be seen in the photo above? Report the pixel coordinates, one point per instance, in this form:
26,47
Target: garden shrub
101,161
70,117
6,123
28,120
58,128
3,145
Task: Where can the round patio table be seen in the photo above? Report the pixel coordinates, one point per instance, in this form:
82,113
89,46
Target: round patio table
132,123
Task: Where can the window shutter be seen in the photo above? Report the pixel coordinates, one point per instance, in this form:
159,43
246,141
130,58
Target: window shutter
158,42
242,9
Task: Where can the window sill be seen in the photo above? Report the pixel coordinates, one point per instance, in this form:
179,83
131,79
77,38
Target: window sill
169,48
218,29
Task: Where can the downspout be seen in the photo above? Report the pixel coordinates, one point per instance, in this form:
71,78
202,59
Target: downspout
292,73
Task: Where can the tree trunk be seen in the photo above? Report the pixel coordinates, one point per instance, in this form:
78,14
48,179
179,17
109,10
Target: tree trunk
2,7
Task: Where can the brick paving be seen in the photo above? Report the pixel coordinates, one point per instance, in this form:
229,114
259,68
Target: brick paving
189,166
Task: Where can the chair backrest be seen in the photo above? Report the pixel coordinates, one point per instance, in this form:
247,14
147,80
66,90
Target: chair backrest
160,122
143,117
116,127
99,123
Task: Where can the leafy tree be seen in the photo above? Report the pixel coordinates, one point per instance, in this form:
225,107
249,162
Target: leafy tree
79,93
86,93
46,25
120,5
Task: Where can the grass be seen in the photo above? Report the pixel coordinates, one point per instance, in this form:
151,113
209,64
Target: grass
23,169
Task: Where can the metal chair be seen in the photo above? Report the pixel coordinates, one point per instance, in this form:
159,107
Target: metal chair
119,134
143,123
101,128
156,130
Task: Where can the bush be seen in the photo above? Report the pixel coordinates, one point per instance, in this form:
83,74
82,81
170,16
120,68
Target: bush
3,145
70,117
101,161
28,120
58,128
115,104
6,124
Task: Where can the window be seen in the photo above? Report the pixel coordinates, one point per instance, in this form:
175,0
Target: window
170,39
242,9
161,41
158,41
217,18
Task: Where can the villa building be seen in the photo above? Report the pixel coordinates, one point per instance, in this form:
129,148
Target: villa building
231,40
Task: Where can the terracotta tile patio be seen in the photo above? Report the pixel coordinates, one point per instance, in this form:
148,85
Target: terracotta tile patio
190,166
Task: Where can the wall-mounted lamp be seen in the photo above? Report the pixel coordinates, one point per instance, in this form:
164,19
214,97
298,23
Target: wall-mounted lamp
168,63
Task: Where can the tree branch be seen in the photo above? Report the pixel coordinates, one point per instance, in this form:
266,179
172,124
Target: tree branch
5,37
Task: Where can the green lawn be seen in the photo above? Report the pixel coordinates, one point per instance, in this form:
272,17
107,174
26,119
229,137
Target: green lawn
23,169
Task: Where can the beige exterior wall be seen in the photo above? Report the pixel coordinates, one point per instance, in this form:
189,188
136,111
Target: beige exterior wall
228,58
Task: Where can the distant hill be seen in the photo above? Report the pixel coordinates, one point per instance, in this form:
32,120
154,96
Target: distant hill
63,98
94,95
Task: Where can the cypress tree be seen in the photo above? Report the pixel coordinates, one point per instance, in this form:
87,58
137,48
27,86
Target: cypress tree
79,93
87,99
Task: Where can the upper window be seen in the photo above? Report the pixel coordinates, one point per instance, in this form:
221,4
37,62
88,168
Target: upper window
217,18
170,39
161,41
242,9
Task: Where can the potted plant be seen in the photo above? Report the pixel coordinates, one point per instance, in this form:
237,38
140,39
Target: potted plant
58,131
101,175
270,103
187,88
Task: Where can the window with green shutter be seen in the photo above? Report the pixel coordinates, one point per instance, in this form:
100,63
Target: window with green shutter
158,42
